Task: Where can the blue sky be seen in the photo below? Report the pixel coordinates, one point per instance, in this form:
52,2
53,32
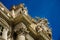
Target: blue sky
49,9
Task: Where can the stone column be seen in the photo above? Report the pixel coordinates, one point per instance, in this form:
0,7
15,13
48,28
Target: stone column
4,34
28,37
21,37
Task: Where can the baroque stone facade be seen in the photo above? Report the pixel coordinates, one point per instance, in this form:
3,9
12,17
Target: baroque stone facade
17,24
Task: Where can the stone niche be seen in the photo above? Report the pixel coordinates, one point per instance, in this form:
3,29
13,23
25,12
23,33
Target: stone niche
21,32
